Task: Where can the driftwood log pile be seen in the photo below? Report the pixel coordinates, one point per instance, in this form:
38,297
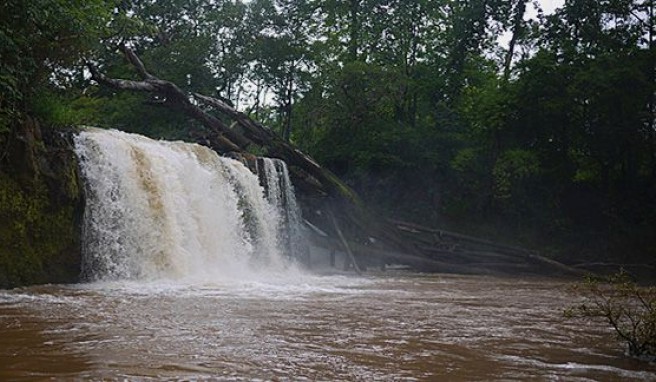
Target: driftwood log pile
340,220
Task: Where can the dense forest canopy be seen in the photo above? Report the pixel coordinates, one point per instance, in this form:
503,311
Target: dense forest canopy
544,137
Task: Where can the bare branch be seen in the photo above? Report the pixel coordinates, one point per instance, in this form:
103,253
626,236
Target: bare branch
224,138
136,62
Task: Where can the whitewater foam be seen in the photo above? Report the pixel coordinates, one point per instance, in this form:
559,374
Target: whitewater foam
175,210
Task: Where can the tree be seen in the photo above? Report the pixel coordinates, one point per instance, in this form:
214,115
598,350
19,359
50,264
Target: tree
282,55
40,40
414,99
627,307
517,33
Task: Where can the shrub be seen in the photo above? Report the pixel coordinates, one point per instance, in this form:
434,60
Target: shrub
629,308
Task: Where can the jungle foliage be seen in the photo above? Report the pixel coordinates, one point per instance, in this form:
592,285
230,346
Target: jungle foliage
544,137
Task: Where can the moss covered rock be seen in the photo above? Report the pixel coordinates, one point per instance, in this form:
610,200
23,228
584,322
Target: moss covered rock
40,207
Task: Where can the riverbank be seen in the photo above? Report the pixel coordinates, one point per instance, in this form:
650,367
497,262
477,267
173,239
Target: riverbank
40,207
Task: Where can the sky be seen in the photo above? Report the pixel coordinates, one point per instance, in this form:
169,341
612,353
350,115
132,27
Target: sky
550,5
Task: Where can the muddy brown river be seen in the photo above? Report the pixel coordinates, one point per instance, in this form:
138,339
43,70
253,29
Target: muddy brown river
400,327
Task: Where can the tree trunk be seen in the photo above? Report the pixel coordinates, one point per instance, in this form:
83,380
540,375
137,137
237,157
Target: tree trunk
289,99
517,30
354,29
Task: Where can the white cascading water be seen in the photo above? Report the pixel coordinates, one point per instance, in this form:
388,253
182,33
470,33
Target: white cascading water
274,176
175,210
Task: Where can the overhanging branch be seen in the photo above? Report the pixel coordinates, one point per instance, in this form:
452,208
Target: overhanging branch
225,139
136,62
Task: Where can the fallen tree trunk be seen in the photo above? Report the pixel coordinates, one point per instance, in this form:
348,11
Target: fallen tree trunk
457,238
173,97
345,244
224,138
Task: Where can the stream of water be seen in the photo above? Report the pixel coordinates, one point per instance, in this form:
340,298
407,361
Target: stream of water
315,328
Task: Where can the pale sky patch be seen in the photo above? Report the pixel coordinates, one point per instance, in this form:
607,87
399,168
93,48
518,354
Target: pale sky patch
548,7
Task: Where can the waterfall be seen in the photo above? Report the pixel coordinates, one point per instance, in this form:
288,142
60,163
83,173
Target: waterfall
274,177
157,209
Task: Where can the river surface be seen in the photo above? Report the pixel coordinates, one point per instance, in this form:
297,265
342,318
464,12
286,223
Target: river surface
313,328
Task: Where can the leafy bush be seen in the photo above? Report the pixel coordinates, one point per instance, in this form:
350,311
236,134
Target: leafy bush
629,308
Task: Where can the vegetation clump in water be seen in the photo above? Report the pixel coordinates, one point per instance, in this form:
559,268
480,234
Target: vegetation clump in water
628,307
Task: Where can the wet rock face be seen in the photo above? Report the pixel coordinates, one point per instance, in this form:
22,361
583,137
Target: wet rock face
40,207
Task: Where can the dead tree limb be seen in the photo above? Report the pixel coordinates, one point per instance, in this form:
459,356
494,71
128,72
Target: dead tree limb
136,62
174,97
222,137
278,148
347,248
